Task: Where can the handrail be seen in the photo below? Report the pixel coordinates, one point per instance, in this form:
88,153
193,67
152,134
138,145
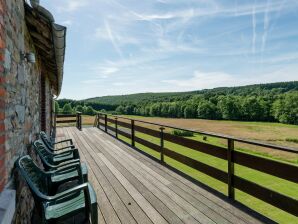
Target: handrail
276,168
77,119
213,134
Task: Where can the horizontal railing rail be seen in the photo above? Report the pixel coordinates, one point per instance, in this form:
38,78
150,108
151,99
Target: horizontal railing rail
285,171
69,118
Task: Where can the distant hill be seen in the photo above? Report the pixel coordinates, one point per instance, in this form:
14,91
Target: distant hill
280,87
260,102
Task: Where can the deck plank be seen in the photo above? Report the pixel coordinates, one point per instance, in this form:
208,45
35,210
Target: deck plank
176,210
132,188
103,174
106,211
234,214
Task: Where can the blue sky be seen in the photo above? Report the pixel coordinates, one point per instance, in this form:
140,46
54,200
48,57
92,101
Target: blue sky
119,47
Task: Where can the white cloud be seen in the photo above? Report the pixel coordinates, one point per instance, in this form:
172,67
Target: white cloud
67,22
73,5
206,80
103,70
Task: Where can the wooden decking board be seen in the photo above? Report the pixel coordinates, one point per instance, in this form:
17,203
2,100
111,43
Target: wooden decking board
92,179
185,216
105,207
222,211
153,214
119,207
163,210
132,188
103,174
161,190
181,197
225,208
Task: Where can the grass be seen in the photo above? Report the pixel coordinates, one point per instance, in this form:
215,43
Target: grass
272,133
269,181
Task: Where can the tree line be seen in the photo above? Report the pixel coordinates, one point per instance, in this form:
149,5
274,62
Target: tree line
283,109
277,102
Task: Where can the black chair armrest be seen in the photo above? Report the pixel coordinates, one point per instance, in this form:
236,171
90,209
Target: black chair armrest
65,140
63,148
69,192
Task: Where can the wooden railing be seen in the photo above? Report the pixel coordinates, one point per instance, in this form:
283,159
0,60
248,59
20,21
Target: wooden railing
279,169
69,119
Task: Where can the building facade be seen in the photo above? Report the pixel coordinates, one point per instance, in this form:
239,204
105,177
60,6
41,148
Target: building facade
32,51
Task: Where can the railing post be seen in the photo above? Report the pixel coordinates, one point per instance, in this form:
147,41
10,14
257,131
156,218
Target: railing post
98,120
106,123
79,120
231,191
116,127
162,144
132,133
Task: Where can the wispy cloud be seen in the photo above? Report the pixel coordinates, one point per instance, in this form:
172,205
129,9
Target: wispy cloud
206,80
67,22
112,39
254,34
103,71
73,5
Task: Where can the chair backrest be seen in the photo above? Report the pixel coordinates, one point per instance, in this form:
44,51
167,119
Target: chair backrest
44,137
42,151
35,178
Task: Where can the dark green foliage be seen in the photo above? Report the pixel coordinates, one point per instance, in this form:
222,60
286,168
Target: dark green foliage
89,111
285,109
57,107
230,107
67,109
295,140
264,102
182,133
208,110
80,108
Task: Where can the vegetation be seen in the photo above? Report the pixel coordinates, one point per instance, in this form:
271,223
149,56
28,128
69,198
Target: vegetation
265,102
182,133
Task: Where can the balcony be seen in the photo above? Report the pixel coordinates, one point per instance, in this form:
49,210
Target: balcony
134,188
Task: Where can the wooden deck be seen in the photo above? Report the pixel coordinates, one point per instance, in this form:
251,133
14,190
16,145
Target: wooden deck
132,188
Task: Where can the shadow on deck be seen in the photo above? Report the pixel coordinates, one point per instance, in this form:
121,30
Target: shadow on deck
132,188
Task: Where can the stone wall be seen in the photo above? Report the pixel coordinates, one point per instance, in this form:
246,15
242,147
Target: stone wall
2,97
20,87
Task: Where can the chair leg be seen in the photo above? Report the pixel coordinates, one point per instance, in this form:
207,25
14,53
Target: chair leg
94,214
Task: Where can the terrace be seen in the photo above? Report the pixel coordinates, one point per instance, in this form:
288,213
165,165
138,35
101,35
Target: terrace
140,177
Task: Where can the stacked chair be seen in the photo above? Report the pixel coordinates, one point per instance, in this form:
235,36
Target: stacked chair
62,170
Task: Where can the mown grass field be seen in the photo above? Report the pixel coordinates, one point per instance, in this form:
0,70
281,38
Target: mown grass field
266,132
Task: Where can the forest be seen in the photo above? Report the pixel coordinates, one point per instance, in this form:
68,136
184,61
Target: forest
274,102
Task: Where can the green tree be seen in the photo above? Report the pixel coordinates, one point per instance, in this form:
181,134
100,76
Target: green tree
253,109
207,110
230,108
285,109
90,111
120,110
57,107
79,108
67,109
189,111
